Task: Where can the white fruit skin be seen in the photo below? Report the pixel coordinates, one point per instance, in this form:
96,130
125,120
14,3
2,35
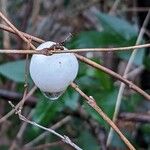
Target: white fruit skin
53,73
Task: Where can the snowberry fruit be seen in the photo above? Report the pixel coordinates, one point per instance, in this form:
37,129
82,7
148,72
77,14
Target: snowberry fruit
53,74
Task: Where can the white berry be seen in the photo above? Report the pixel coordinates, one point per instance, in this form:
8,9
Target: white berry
54,73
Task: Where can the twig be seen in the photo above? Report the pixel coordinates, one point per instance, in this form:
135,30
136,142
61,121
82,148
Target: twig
25,77
135,117
17,106
15,29
6,38
64,137
110,72
54,127
15,97
52,51
20,133
33,38
43,146
122,86
136,71
114,7
91,101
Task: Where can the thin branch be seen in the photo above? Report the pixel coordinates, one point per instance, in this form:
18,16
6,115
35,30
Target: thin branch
15,29
135,72
25,77
51,51
44,146
15,97
91,101
18,105
135,117
20,133
114,7
33,38
6,37
44,134
122,86
64,138
112,73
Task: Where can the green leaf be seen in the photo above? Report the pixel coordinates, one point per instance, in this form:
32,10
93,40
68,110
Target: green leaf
13,70
44,113
46,110
131,103
87,141
145,130
70,99
117,26
104,80
92,39
138,57
106,100
124,31
117,143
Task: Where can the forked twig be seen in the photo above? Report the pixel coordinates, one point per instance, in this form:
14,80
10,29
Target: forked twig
64,138
44,134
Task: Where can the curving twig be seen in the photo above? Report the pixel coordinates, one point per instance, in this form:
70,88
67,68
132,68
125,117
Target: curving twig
64,138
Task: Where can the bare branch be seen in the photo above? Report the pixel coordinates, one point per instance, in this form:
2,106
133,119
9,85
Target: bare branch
33,38
64,137
51,51
91,101
15,29
44,134
112,73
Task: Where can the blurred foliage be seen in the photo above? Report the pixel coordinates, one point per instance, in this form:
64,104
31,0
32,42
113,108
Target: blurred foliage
14,70
116,32
147,62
